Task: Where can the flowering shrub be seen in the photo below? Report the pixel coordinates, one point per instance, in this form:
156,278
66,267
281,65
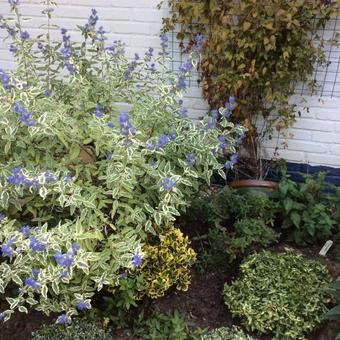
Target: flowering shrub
95,151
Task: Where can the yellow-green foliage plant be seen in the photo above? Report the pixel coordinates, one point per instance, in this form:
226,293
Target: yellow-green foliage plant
254,50
167,263
281,294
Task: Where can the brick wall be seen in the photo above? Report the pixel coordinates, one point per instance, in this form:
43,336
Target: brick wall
315,137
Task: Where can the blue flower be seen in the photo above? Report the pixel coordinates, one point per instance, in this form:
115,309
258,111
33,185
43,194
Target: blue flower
25,116
24,35
198,43
35,272
66,51
47,93
172,136
183,111
186,67
64,260
136,56
164,44
152,67
2,216
7,249
37,245
149,53
63,319
126,127
101,33
137,261
232,161
13,48
98,111
5,79
17,177
233,158
64,274
49,177
222,145
168,183
124,275
163,140
181,83
191,159
232,99
30,282
93,17
110,125
25,230
150,146
75,247
131,67
83,305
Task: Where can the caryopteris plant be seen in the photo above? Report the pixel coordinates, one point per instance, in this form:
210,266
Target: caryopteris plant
85,183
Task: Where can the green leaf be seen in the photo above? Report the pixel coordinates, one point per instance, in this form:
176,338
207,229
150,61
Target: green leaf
296,218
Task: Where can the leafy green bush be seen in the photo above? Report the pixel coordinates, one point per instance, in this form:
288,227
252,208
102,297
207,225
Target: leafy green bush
334,313
283,294
95,155
308,208
250,232
80,329
226,333
254,52
238,223
171,326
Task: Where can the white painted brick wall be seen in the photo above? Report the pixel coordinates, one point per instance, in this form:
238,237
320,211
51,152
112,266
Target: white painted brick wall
316,135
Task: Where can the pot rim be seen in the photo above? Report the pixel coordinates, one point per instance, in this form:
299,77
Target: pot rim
238,183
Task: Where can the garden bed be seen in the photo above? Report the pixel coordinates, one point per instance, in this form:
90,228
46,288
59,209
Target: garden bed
202,304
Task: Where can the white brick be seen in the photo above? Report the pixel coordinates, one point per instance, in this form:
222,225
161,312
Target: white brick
332,114
326,137
319,159
310,124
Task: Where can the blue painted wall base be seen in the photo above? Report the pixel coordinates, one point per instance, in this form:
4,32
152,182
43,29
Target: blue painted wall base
295,170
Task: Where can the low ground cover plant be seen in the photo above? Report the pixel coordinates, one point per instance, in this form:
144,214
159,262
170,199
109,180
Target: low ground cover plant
80,329
283,294
96,159
171,325
227,333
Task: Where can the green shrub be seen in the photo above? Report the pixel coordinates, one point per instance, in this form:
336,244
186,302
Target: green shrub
226,333
308,208
238,223
250,232
80,329
95,155
283,294
171,326
334,313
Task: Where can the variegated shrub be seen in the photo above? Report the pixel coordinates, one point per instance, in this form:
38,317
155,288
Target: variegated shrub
95,151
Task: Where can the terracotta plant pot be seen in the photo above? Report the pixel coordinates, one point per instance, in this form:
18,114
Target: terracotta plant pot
254,186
